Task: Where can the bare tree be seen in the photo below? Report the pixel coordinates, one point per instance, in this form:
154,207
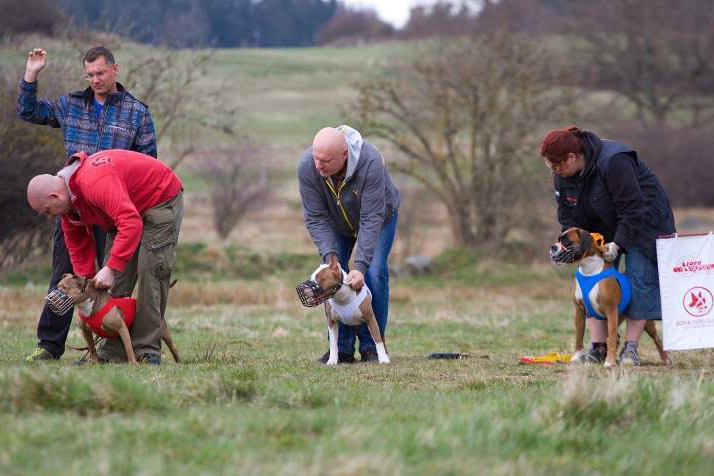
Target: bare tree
657,54
466,116
239,181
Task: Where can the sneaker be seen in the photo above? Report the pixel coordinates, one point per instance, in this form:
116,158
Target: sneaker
594,355
342,358
369,356
40,354
150,359
628,355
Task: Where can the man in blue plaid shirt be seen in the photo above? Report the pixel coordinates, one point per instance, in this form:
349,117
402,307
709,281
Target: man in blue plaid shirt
103,116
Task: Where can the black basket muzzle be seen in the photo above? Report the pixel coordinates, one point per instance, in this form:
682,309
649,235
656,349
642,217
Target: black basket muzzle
312,294
59,302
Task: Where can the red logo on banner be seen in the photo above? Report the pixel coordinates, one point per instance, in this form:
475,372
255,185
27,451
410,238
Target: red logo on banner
688,266
698,301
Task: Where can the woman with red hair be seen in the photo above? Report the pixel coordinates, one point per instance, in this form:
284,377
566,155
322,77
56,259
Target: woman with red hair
603,186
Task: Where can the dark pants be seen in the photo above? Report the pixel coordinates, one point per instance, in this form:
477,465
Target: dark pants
53,328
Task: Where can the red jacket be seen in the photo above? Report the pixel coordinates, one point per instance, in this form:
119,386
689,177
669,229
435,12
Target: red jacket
112,189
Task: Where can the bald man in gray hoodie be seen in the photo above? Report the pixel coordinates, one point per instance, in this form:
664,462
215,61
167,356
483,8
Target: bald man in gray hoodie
349,201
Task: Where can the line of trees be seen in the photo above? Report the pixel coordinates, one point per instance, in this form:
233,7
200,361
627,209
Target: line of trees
199,23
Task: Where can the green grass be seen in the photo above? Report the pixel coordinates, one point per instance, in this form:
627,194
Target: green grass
250,398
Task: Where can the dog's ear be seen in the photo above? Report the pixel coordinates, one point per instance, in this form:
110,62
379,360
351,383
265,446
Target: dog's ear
598,241
334,264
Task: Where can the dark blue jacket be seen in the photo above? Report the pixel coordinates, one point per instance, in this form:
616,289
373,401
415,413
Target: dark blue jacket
616,195
125,122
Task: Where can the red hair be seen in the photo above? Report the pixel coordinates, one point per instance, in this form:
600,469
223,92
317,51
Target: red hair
558,143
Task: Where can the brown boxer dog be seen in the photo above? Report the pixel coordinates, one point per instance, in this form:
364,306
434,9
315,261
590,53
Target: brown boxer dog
576,245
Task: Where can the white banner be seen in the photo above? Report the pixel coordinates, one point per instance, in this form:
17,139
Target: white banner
686,281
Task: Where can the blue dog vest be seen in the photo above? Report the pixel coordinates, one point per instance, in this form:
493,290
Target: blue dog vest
588,282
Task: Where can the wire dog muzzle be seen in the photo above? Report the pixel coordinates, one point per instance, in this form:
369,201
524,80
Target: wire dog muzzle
312,294
59,302
564,251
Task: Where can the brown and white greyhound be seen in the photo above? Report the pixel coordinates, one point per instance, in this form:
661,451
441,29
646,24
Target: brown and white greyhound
89,300
576,245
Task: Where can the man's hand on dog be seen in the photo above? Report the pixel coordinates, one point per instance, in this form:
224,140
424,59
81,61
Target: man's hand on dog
355,279
611,250
104,278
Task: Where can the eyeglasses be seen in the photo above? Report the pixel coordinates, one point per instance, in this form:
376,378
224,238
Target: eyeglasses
554,168
98,75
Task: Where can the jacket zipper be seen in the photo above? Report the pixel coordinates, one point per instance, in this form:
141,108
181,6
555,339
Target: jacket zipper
339,204
100,124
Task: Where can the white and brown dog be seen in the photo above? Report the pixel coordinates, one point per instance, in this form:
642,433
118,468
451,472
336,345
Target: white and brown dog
105,316
342,304
605,297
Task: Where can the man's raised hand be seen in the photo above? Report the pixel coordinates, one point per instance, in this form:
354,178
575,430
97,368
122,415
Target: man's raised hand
36,60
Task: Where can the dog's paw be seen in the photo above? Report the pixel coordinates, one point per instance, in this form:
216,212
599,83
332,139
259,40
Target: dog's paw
384,360
332,361
609,364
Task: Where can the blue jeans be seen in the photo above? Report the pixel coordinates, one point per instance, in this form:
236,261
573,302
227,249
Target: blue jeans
377,280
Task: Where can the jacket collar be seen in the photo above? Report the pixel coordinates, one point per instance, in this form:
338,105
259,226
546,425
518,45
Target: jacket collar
593,146
88,94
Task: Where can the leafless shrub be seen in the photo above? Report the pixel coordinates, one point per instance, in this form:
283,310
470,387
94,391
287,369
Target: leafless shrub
464,116
26,150
681,159
353,26
442,19
239,184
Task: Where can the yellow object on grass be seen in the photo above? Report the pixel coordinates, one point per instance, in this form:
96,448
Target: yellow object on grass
545,359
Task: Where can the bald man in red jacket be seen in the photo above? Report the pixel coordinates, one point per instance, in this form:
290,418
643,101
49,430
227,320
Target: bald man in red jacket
138,200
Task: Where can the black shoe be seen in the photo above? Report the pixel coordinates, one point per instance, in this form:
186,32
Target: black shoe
342,358
369,356
150,359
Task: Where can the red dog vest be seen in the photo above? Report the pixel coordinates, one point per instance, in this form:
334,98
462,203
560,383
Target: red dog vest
126,305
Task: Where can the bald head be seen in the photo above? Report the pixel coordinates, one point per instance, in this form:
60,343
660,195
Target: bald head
48,194
329,151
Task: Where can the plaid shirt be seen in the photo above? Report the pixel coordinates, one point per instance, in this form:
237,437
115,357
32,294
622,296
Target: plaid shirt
125,122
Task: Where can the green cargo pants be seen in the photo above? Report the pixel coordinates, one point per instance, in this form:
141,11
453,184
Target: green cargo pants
151,268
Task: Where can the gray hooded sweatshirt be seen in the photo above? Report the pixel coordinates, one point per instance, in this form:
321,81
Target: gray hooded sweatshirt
366,200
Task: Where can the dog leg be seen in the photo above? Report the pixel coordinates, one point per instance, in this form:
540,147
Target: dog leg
579,332
374,331
651,330
89,339
333,332
612,322
126,340
114,322
166,336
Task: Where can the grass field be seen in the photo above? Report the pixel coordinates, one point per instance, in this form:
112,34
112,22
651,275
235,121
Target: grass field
250,397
